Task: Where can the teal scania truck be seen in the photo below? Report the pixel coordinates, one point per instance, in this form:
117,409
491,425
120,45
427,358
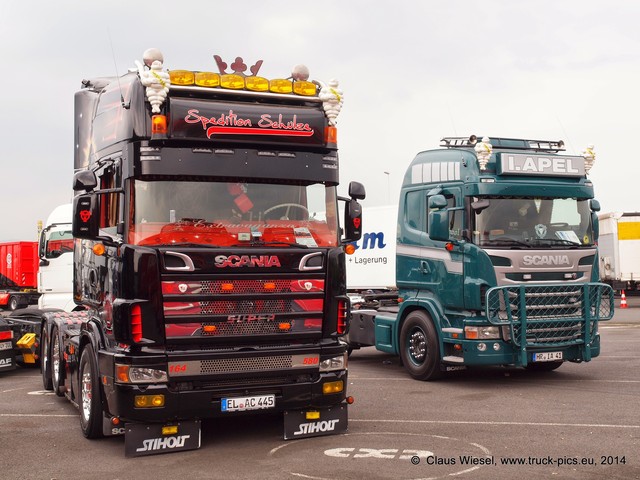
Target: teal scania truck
496,261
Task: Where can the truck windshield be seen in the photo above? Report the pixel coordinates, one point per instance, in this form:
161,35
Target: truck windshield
225,214
533,223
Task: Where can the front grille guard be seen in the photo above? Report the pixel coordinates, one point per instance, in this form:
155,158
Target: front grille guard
550,315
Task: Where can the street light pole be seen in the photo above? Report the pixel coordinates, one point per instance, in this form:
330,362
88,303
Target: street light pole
388,187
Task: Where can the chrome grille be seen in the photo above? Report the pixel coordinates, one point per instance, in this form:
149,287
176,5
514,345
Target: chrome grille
228,365
245,307
246,286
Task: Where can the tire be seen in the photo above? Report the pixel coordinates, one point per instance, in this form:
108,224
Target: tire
13,303
89,401
419,347
57,363
543,366
45,360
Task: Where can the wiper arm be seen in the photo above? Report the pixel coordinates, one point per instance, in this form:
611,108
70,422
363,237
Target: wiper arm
562,241
272,243
505,242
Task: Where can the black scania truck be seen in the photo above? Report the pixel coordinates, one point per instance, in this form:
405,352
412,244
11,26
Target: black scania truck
208,256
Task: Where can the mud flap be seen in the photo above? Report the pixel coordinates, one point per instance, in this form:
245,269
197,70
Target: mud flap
327,421
148,439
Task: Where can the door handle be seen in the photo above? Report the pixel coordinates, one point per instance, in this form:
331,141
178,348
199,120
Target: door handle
424,267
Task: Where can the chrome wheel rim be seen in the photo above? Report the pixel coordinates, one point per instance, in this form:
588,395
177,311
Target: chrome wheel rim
86,395
417,346
55,359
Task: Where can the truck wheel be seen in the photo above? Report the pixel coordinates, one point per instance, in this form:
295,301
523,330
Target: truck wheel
543,366
45,360
57,363
90,404
419,348
13,303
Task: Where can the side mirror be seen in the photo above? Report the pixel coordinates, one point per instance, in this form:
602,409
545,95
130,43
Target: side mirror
356,190
86,217
352,221
595,205
595,226
42,241
438,218
84,180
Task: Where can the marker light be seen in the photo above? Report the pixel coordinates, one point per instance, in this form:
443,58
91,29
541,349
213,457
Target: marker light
312,415
170,430
207,79
257,84
270,286
226,287
331,135
280,86
343,313
6,335
349,249
158,125
98,249
136,323
304,88
181,77
232,81
209,329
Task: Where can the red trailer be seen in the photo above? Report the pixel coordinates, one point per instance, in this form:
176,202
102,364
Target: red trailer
18,274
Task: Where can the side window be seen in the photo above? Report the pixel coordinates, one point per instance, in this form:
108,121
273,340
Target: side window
415,207
109,202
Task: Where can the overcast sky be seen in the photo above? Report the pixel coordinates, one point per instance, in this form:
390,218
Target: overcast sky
411,72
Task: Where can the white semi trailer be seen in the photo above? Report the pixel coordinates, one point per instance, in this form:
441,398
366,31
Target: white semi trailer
620,250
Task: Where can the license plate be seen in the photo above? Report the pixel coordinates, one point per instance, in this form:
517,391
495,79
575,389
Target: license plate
240,404
547,356
6,346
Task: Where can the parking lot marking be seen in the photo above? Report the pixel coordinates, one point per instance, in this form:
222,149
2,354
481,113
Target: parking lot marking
34,415
530,424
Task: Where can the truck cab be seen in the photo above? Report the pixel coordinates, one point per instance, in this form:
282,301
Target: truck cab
496,260
208,256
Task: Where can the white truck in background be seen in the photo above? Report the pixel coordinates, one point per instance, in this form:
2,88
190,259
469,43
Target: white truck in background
620,250
55,276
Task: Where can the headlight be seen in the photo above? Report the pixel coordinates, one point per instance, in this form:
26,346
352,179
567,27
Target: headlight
333,364
481,333
129,374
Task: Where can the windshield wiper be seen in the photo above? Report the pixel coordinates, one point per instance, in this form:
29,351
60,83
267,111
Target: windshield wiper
267,244
185,244
499,242
561,241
